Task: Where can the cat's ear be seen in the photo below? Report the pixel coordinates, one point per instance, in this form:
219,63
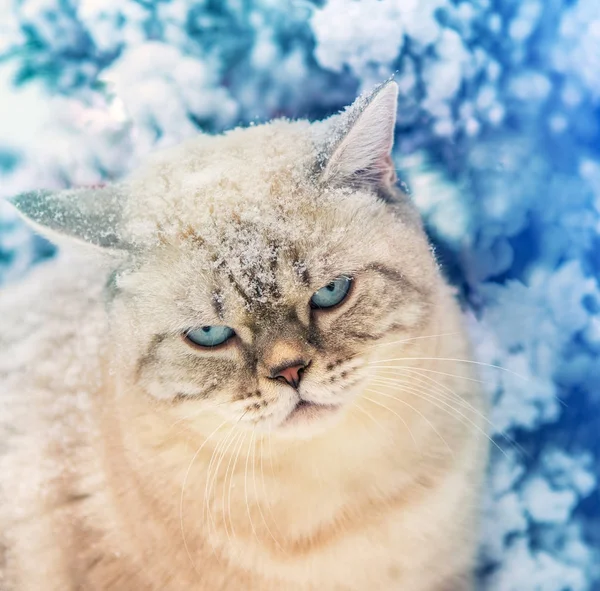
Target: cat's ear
364,136
88,215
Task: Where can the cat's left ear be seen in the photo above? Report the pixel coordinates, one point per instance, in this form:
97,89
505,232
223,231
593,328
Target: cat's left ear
364,136
88,215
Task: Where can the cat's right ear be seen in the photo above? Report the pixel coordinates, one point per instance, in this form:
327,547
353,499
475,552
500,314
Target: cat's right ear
362,140
90,215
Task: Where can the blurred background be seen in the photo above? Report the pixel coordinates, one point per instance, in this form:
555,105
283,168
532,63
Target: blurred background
498,137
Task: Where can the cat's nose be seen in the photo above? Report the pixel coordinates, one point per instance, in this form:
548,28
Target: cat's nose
291,372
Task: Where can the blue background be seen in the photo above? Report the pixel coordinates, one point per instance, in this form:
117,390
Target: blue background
498,136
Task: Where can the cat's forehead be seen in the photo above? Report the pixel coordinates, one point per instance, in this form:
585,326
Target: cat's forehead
262,261
248,208
244,173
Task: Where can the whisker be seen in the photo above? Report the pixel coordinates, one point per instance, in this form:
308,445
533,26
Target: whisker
419,370
395,413
230,439
407,387
424,395
205,506
370,416
454,396
271,456
442,373
262,472
264,494
182,494
430,336
246,487
211,480
241,439
197,413
415,410
422,369
481,363
440,390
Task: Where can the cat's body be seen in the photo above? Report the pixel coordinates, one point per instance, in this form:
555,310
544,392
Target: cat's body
129,460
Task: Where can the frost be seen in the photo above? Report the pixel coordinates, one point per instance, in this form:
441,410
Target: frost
538,571
366,51
579,52
546,505
160,89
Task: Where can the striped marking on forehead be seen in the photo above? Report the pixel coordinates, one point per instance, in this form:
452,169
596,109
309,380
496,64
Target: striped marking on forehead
251,268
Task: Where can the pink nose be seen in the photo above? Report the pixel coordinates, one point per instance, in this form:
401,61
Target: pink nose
291,373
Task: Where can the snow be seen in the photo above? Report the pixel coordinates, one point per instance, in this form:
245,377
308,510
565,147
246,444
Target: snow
160,88
498,138
579,52
385,22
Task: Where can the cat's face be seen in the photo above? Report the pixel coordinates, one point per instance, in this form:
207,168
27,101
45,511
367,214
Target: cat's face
304,302
267,274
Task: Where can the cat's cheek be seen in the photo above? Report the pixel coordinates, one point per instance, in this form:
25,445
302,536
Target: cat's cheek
336,382
253,399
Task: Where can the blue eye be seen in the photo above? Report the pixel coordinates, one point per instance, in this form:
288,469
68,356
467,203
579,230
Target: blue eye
209,336
332,294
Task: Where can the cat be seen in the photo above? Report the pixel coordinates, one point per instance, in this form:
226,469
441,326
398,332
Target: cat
243,371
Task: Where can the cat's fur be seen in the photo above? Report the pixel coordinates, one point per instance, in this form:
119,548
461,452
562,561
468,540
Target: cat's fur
130,460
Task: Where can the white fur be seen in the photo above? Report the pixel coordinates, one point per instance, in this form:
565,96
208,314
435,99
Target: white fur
109,483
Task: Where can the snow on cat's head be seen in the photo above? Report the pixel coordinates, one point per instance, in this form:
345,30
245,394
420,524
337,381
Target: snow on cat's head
258,269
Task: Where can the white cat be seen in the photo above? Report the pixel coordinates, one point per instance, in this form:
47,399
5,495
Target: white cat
240,373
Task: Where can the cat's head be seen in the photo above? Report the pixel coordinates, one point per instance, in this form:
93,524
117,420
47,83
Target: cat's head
260,269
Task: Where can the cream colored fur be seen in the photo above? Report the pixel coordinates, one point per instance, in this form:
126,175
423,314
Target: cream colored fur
110,481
